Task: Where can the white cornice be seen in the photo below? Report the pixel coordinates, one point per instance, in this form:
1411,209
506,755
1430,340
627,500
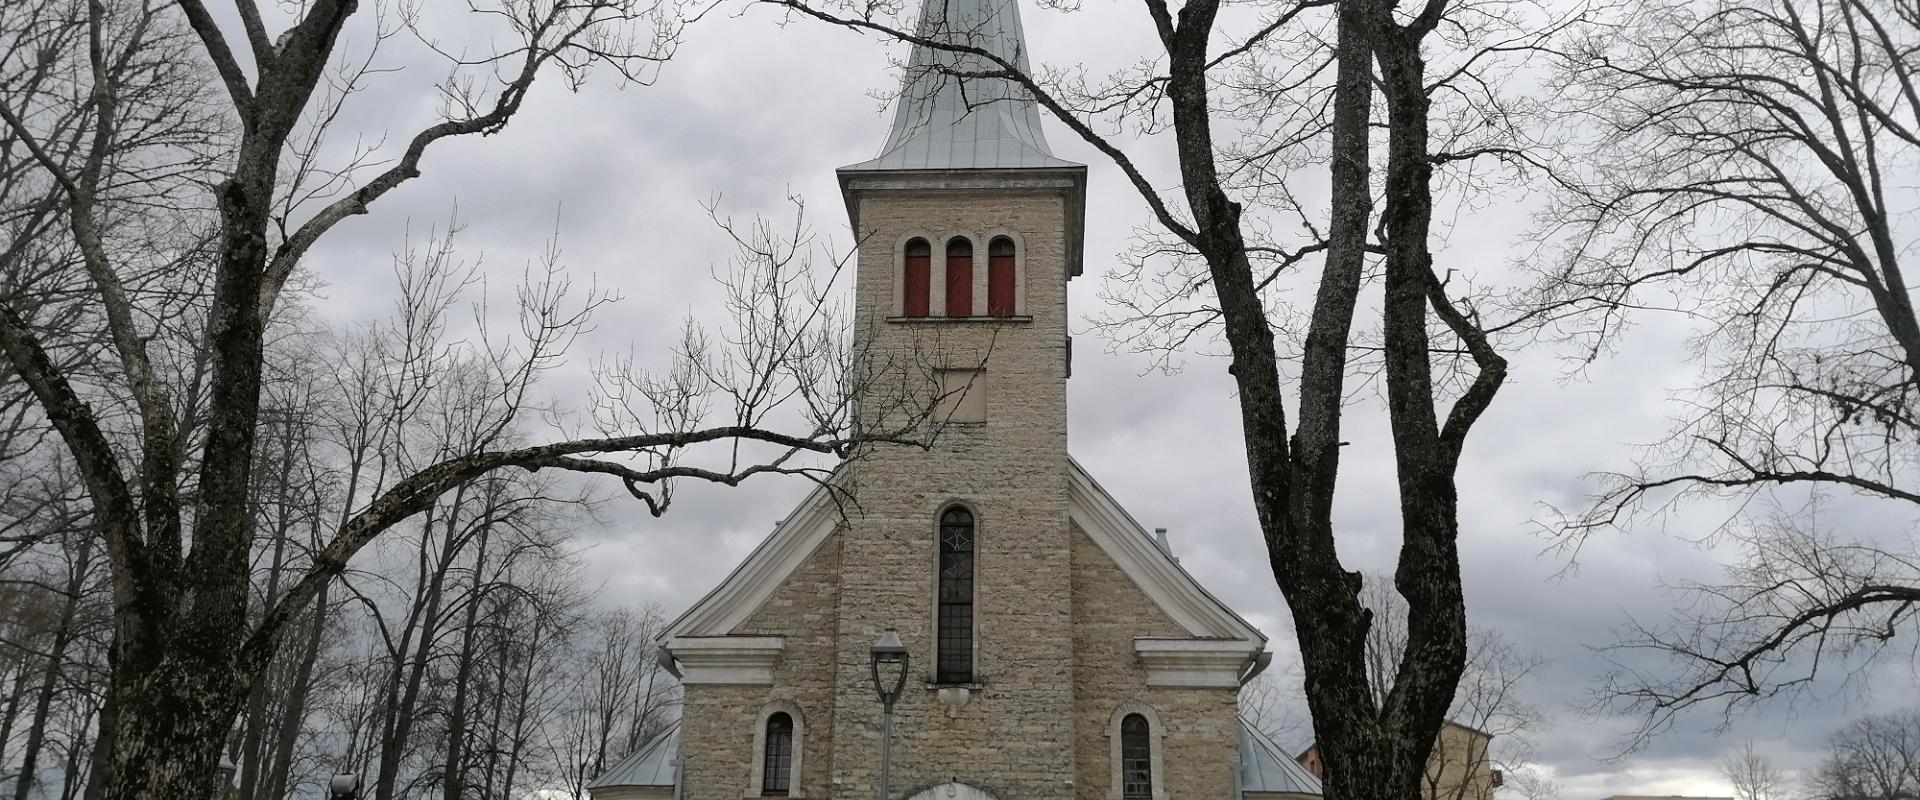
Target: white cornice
1194,663
749,585
1127,542
729,660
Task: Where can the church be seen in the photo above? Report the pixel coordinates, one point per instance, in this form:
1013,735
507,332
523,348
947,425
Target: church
985,621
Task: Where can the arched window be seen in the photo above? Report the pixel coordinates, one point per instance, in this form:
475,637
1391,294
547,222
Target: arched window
1000,277
1136,758
916,280
955,655
776,770
959,277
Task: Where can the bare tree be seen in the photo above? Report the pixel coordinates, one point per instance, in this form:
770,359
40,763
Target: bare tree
1301,82
1495,722
1754,775
1874,757
1740,165
155,388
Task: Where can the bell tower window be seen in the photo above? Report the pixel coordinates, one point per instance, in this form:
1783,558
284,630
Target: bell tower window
916,279
959,277
1000,277
954,659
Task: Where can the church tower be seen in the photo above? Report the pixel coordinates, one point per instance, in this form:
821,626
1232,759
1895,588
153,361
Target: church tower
969,229
1057,649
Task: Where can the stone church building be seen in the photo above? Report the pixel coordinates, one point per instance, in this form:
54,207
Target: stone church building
1056,649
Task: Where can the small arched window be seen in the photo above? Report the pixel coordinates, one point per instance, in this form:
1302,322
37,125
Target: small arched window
1136,758
776,770
955,655
916,280
959,277
1000,277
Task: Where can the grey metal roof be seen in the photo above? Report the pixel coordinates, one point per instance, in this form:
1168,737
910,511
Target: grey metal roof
1264,767
943,120
652,765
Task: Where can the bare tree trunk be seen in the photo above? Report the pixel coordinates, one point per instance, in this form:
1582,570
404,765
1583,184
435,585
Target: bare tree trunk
50,675
454,770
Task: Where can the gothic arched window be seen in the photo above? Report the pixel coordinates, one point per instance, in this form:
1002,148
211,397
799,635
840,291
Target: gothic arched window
955,654
959,277
1136,758
916,279
776,770
1000,277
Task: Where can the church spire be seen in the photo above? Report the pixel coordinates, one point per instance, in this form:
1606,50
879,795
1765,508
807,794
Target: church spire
944,121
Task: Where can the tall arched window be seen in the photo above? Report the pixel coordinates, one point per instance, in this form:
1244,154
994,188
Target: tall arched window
1000,277
776,771
959,277
955,656
1136,758
916,280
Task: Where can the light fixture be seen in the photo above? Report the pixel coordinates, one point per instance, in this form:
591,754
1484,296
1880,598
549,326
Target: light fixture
890,655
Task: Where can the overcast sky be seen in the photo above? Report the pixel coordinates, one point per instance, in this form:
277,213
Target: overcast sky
752,111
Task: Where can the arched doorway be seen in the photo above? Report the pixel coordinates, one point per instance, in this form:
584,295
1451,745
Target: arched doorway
952,790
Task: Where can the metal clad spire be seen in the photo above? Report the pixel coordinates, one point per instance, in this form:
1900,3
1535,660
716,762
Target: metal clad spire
944,118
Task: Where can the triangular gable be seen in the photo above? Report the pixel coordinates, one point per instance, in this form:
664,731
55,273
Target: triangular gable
1164,581
749,585
1111,528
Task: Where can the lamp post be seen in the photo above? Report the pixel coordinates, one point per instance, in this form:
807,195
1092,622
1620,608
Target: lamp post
889,677
224,772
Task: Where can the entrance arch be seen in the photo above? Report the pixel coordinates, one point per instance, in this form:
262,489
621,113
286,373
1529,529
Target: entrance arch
952,790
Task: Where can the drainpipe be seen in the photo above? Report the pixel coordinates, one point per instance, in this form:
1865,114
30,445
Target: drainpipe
1255,665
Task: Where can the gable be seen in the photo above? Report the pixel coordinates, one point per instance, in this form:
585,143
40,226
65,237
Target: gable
1196,613
1134,551
751,584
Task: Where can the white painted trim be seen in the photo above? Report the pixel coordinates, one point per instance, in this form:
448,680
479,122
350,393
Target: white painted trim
749,585
1090,507
726,660
796,788
1165,582
1194,663
1156,761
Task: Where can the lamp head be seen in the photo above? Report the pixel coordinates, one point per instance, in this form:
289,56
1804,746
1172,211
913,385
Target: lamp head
888,649
343,784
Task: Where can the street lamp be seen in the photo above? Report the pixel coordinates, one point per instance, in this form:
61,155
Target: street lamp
343,786
224,772
890,661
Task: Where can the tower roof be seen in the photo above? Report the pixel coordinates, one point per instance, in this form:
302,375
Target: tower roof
944,120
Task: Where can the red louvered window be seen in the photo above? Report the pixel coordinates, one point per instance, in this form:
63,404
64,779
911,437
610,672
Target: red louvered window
959,277
917,281
1000,277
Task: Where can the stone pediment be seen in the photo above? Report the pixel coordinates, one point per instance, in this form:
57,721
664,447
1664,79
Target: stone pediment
1198,613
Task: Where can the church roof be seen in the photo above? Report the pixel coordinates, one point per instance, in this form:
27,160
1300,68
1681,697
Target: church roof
944,120
654,764
1264,767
